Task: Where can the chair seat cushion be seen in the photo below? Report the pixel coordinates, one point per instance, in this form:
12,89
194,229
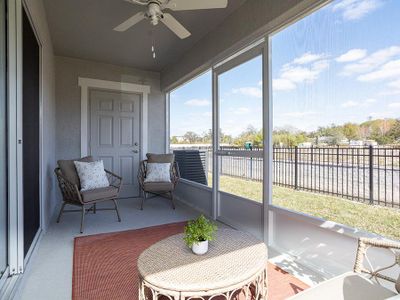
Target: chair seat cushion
158,186
348,286
68,169
99,194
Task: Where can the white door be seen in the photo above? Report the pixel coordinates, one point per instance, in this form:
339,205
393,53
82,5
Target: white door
115,135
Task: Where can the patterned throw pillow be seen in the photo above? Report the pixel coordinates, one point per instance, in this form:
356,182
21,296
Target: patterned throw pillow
91,175
158,172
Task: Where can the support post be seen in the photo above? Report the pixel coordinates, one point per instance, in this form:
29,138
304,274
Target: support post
296,167
371,175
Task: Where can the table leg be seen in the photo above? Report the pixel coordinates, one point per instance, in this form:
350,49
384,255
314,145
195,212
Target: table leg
265,284
141,291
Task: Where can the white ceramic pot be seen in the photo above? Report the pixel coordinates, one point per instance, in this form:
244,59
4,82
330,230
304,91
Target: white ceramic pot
200,248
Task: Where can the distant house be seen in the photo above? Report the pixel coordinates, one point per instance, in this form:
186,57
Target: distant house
360,143
370,143
324,140
356,143
305,145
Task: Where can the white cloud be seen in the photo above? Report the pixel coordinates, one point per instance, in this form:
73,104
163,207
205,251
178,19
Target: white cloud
372,61
394,84
281,84
394,105
240,110
393,88
352,55
320,65
197,102
298,74
299,114
307,58
356,9
388,70
249,91
364,103
305,68
390,93
350,104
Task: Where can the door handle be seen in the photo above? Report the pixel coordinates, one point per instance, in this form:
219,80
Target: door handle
135,151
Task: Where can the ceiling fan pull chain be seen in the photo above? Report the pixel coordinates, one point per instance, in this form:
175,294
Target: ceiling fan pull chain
153,47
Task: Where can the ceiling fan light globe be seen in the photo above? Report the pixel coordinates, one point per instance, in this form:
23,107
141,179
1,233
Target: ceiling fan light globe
154,20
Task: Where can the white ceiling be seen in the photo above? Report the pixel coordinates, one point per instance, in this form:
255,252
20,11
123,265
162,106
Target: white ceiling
84,29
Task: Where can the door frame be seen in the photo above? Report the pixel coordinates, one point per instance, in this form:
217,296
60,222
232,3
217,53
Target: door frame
90,83
42,225
17,260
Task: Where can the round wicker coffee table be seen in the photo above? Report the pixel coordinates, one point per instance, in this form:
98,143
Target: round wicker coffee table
236,262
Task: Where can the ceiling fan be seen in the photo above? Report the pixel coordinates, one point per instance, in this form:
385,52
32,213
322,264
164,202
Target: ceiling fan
154,13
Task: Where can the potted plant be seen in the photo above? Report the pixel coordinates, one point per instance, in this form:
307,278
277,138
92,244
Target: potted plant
198,233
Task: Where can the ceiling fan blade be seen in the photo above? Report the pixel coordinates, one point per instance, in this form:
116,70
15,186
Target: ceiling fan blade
140,2
130,22
175,26
177,5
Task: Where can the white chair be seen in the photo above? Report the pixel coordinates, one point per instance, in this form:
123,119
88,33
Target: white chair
362,283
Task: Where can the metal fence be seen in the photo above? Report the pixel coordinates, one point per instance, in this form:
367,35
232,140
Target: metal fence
368,174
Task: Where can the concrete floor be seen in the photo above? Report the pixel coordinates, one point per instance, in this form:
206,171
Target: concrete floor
49,274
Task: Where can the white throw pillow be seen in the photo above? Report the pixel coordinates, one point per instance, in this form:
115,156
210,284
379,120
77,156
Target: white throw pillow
91,175
158,172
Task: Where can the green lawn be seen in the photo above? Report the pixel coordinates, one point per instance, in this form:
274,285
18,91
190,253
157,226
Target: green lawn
376,219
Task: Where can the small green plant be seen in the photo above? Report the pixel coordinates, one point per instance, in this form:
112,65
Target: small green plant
199,230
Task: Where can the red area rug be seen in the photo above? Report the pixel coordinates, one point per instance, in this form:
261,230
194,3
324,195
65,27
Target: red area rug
104,265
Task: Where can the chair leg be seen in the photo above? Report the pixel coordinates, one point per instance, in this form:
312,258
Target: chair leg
82,217
144,197
61,211
116,209
172,199
94,208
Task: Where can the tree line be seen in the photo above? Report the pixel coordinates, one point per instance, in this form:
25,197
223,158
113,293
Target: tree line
383,131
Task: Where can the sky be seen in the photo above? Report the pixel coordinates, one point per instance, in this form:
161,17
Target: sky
339,64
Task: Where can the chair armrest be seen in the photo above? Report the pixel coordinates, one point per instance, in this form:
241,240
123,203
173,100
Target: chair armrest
363,245
142,173
175,175
114,179
69,190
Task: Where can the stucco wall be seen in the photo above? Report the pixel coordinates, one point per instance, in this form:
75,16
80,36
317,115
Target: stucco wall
68,99
38,15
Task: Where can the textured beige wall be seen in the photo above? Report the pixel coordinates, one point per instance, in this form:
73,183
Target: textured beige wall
68,97
252,19
39,19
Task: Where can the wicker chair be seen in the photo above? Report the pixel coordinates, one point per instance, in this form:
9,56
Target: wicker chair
355,286
68,182
158,188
